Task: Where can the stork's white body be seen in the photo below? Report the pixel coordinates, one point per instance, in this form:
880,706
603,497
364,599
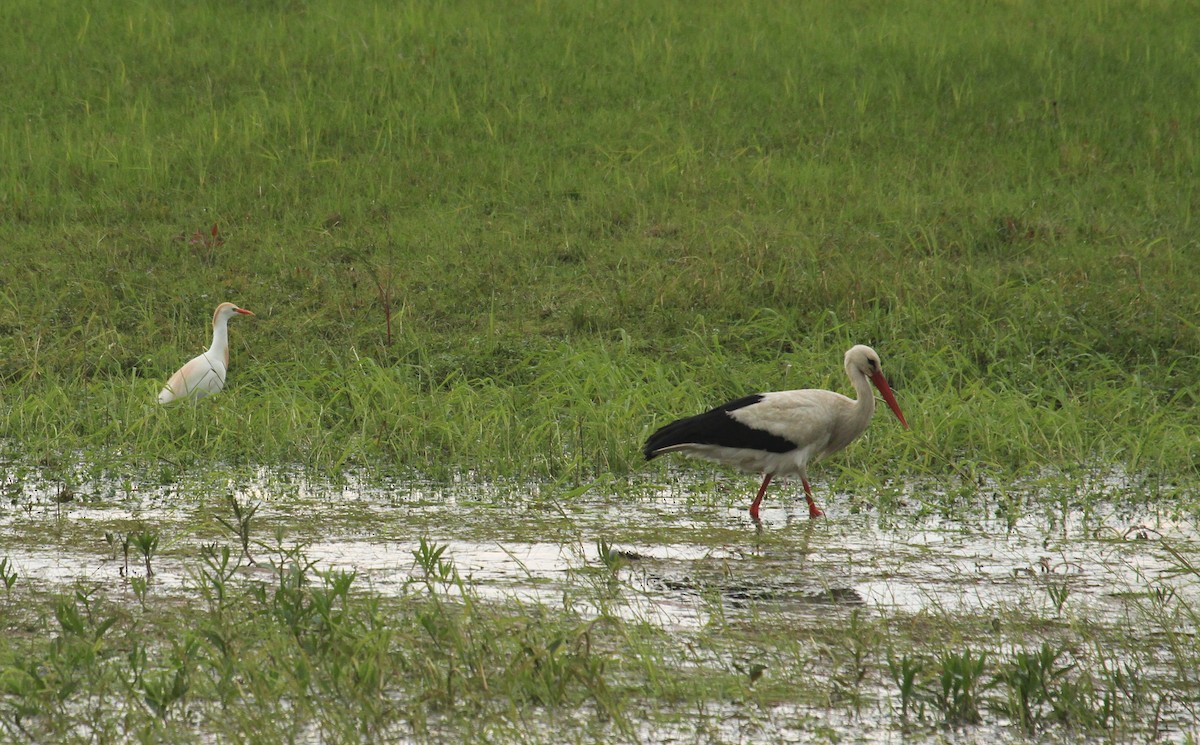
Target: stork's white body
817,421
204,373
780,433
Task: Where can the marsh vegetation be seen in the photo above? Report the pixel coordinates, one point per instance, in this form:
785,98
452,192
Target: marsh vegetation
491,248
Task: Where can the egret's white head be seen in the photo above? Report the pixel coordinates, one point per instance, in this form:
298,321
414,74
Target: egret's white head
225,311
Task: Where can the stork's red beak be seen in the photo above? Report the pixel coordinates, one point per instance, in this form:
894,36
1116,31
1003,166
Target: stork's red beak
884,389
243,311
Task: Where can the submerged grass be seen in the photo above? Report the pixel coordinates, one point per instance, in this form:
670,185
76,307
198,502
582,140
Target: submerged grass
298,654
769,636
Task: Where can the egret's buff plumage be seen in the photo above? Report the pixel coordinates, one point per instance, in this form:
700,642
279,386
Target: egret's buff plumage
780,433
205,373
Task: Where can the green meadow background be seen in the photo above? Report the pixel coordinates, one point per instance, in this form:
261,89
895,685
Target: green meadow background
586,218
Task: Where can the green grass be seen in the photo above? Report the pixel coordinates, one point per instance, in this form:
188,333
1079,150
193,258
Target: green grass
584,220
590,218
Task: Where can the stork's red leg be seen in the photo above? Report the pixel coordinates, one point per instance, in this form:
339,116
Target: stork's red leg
813,509
758,500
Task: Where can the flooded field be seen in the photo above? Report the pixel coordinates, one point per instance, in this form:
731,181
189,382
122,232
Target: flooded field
850,598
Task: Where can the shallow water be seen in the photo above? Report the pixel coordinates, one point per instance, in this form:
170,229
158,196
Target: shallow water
528,546
684,555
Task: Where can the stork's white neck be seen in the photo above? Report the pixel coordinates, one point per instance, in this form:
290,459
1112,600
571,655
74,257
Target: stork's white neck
864,406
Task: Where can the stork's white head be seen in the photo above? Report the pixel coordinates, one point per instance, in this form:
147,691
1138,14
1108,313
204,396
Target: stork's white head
225,311
862,360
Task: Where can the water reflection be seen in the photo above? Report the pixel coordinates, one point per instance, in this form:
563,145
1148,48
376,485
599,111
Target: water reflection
680,560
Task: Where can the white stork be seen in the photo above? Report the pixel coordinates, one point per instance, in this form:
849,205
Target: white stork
780,433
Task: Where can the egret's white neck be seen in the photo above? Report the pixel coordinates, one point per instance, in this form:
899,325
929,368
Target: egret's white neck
220,342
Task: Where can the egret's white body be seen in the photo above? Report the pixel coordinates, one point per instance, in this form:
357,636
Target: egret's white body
205,373
780,433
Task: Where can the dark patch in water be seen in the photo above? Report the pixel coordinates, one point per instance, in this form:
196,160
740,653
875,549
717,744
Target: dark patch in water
630,556
742,596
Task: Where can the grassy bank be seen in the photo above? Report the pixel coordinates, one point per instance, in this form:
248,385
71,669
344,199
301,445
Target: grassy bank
588,219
